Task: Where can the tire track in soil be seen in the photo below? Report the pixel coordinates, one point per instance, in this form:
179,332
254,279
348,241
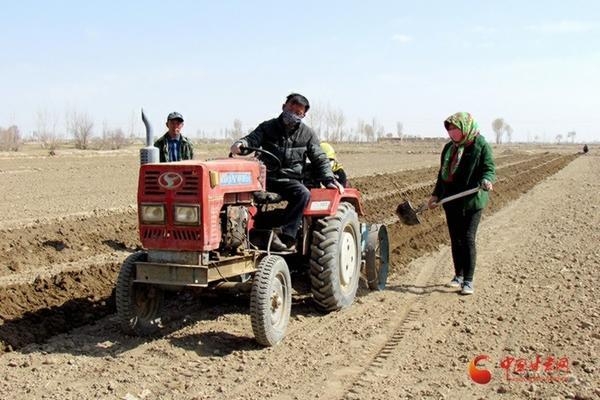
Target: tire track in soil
375,363
370,374
48,306
310,333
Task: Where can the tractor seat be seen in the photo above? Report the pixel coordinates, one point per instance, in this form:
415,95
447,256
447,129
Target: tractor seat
266,197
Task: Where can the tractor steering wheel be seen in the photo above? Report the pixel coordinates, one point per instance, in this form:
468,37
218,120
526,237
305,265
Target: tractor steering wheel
245,150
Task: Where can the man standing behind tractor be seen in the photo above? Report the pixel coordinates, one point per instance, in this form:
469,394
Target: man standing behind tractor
173,146
291,141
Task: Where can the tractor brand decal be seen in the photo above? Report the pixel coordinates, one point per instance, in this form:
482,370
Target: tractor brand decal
235,178
170,180
319,205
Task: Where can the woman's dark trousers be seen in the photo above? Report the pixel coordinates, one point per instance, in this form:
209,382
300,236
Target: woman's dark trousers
462,226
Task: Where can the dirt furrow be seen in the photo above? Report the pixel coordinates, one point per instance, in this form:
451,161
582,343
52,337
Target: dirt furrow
34,312
83,235
410,242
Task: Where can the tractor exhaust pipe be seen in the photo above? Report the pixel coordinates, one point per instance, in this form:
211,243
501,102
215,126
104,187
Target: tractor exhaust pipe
148,129
148,154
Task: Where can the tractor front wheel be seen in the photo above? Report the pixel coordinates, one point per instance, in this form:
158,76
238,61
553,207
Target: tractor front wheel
271,300
335,259
138,304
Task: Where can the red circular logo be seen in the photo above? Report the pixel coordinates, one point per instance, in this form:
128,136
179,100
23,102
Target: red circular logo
479,375
170,180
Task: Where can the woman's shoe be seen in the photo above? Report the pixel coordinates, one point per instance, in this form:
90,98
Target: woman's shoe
456,282
467,288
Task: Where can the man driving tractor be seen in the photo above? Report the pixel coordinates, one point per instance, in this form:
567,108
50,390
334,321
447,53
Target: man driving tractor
291,141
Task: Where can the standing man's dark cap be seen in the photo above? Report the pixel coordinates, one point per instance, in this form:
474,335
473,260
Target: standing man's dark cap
175,115
297,98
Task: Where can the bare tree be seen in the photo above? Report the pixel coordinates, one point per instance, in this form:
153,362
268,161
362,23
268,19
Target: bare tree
46,124
335,125
508,130
80,125
133,125
559,138
399,129
379,130
498,127
369,132
315,118
361,130
329,124
112,139
237,130
572,136
10,139
115,139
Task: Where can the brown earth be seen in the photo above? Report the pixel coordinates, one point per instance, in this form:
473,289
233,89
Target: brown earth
45,187
59,274
74,182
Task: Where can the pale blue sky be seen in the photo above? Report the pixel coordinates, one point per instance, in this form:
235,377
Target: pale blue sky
537,63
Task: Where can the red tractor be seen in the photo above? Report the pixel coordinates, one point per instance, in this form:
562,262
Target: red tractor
206,223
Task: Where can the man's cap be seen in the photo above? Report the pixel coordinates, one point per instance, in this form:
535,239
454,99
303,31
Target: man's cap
175,115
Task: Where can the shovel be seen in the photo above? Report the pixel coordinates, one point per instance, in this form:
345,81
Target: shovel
410,215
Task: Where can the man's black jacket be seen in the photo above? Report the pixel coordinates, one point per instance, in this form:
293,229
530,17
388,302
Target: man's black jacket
292,147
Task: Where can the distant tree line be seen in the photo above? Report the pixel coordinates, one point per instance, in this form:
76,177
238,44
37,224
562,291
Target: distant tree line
10,139
329,123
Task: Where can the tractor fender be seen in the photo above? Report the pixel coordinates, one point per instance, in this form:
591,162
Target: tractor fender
324,202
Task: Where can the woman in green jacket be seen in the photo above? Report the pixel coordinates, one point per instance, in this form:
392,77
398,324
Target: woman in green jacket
466,163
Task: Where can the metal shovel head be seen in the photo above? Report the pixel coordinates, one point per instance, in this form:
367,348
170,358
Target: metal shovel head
407,214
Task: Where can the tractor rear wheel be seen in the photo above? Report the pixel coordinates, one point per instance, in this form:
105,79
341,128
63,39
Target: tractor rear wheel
271,300
335,259
138,304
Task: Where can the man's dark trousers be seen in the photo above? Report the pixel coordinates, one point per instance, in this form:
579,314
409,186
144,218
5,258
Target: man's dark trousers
297,196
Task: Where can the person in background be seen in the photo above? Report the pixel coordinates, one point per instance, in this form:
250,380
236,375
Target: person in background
466,163
173,145
336,167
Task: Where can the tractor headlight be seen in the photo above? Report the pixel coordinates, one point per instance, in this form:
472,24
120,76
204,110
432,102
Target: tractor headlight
187,215
153,213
